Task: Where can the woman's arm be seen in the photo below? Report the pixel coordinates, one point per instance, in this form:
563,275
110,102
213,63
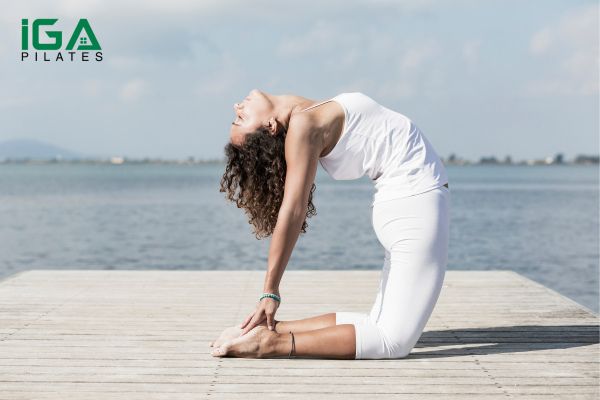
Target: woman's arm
302,148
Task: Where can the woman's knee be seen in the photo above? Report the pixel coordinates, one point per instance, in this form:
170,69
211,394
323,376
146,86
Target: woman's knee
375,343
399,345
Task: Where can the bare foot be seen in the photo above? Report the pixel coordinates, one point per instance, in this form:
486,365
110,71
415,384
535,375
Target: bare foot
233,332
259,342
228,334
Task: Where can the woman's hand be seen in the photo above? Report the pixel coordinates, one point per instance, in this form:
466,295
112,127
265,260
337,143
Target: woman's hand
265,309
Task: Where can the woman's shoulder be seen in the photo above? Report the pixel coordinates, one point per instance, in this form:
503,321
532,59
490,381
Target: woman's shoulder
301,124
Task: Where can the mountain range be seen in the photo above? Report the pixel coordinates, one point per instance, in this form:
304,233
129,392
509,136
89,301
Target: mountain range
35,150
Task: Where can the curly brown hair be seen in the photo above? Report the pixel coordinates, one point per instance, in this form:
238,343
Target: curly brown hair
254,179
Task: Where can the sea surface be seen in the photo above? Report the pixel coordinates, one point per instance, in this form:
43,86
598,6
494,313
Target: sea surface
540,221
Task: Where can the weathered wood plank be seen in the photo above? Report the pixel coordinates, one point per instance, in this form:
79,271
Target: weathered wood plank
144,334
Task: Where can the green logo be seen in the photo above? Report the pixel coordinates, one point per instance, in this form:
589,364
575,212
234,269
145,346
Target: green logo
81,39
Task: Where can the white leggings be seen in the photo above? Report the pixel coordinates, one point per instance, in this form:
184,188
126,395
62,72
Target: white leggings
414,233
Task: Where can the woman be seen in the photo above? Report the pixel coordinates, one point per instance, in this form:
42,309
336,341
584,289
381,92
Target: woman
275,144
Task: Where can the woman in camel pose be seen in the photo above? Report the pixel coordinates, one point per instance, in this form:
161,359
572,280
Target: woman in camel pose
276,142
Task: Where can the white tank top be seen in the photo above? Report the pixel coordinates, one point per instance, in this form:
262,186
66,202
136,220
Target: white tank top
385,145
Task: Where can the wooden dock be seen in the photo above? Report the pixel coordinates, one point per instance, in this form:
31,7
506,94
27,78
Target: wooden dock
97,334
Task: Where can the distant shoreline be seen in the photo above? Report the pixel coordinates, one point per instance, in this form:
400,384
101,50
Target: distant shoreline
125,161
31,151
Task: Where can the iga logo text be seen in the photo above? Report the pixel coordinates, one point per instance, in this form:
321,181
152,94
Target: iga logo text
81,41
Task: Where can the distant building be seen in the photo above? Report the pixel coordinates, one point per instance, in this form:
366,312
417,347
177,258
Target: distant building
542,161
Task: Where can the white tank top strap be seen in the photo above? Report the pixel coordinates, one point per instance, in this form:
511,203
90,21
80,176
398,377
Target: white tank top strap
318,104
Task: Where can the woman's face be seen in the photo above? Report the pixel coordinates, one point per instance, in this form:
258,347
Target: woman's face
252,113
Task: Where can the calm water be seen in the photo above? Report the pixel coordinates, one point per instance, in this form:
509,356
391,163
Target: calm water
540,221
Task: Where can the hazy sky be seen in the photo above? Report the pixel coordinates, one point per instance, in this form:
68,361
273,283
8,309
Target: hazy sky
478,77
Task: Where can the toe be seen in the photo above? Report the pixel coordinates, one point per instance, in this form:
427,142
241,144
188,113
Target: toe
219,351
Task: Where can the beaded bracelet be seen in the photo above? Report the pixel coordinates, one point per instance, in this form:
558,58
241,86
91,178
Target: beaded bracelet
271,295
293,346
